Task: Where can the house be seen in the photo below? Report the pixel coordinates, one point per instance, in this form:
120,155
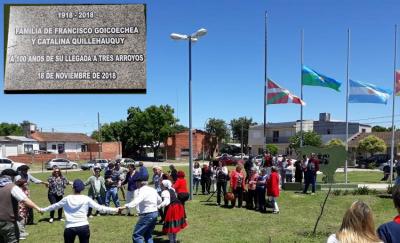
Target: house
280,133
385,136
16,145
177,145
62,142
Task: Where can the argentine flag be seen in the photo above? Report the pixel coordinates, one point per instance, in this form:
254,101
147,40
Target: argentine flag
361,92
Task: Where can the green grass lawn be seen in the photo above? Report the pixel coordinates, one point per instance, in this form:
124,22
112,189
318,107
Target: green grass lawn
210,223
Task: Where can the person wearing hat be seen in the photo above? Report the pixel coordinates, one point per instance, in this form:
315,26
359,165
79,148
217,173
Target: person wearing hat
145,201
76,207
97,188
10,196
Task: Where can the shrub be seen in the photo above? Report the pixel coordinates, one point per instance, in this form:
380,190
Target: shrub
361,191
389,189
346,192
336,192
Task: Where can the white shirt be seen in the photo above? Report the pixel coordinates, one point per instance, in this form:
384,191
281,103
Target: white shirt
18,194
146,200
166,197
332,239
197,172
76,208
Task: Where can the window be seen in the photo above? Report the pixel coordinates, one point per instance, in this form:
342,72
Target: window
61,148
28,148
83,148
363,130
53,147
275,136
328,131
185,152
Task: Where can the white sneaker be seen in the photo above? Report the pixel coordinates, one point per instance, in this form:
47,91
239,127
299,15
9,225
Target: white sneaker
62,220
91,216
51,220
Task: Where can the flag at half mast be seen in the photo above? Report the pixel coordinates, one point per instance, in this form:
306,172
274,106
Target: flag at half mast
312,78
361,92
278,95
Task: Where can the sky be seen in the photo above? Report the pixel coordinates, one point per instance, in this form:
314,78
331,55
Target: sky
228,63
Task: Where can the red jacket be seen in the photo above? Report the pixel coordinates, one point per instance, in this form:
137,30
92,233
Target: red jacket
234,179
180,185
273,185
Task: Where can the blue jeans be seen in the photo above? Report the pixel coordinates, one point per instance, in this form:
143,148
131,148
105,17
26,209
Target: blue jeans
196,182
310,179
99,200
144,228
112,192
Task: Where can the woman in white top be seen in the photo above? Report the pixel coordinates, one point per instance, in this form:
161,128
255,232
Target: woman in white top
196,176
357,226
76,207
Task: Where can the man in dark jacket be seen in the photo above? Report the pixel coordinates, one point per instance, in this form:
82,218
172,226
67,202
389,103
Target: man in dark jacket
10,196
390,232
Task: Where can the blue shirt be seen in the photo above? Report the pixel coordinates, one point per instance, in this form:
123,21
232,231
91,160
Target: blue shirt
390,232
144,175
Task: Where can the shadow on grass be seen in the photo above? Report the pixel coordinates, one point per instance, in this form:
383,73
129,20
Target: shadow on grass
157,237
318,235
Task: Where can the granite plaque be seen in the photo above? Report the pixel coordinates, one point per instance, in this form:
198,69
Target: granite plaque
75,49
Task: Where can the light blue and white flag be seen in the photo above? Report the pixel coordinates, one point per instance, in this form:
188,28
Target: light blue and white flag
361,92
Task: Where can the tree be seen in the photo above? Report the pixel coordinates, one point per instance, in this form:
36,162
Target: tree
335,142
150,127
7,129
114,132
237,125
380,129
219,129
272,149
309,138
179,128
372,145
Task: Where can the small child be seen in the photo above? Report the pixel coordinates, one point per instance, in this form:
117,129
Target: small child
22,209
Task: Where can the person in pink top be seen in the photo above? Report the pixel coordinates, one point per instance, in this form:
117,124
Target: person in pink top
251,189
238,185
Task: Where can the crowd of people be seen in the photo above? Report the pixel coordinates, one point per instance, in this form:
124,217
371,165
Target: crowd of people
165,199
257,184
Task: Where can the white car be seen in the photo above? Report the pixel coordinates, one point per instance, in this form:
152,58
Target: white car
258,159
9,164
239,156
61,163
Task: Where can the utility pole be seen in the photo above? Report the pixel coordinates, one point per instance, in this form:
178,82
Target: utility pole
241,143
99,134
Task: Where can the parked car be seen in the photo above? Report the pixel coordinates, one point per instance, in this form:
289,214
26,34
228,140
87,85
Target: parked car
61,163
125,161
103,163
241,156
375,160
9,164
228,160
258,159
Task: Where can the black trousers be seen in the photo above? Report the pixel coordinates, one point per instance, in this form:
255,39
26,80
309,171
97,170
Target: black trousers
221,187
205,185
82,232
251,199
54,198
238,192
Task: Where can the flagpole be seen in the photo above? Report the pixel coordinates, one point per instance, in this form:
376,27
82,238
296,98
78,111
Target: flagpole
347,103
265,83
301,89
394,101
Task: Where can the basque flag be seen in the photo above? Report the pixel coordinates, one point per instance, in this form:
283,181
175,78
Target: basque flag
361,92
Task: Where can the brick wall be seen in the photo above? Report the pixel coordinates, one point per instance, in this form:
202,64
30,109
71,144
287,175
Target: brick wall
179,141
111,150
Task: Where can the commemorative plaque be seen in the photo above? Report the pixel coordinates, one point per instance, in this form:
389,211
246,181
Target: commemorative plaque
75,49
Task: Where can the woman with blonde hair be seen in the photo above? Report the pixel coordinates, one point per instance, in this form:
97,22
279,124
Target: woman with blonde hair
357,226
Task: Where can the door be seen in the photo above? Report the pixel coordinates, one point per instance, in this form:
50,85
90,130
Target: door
11,150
